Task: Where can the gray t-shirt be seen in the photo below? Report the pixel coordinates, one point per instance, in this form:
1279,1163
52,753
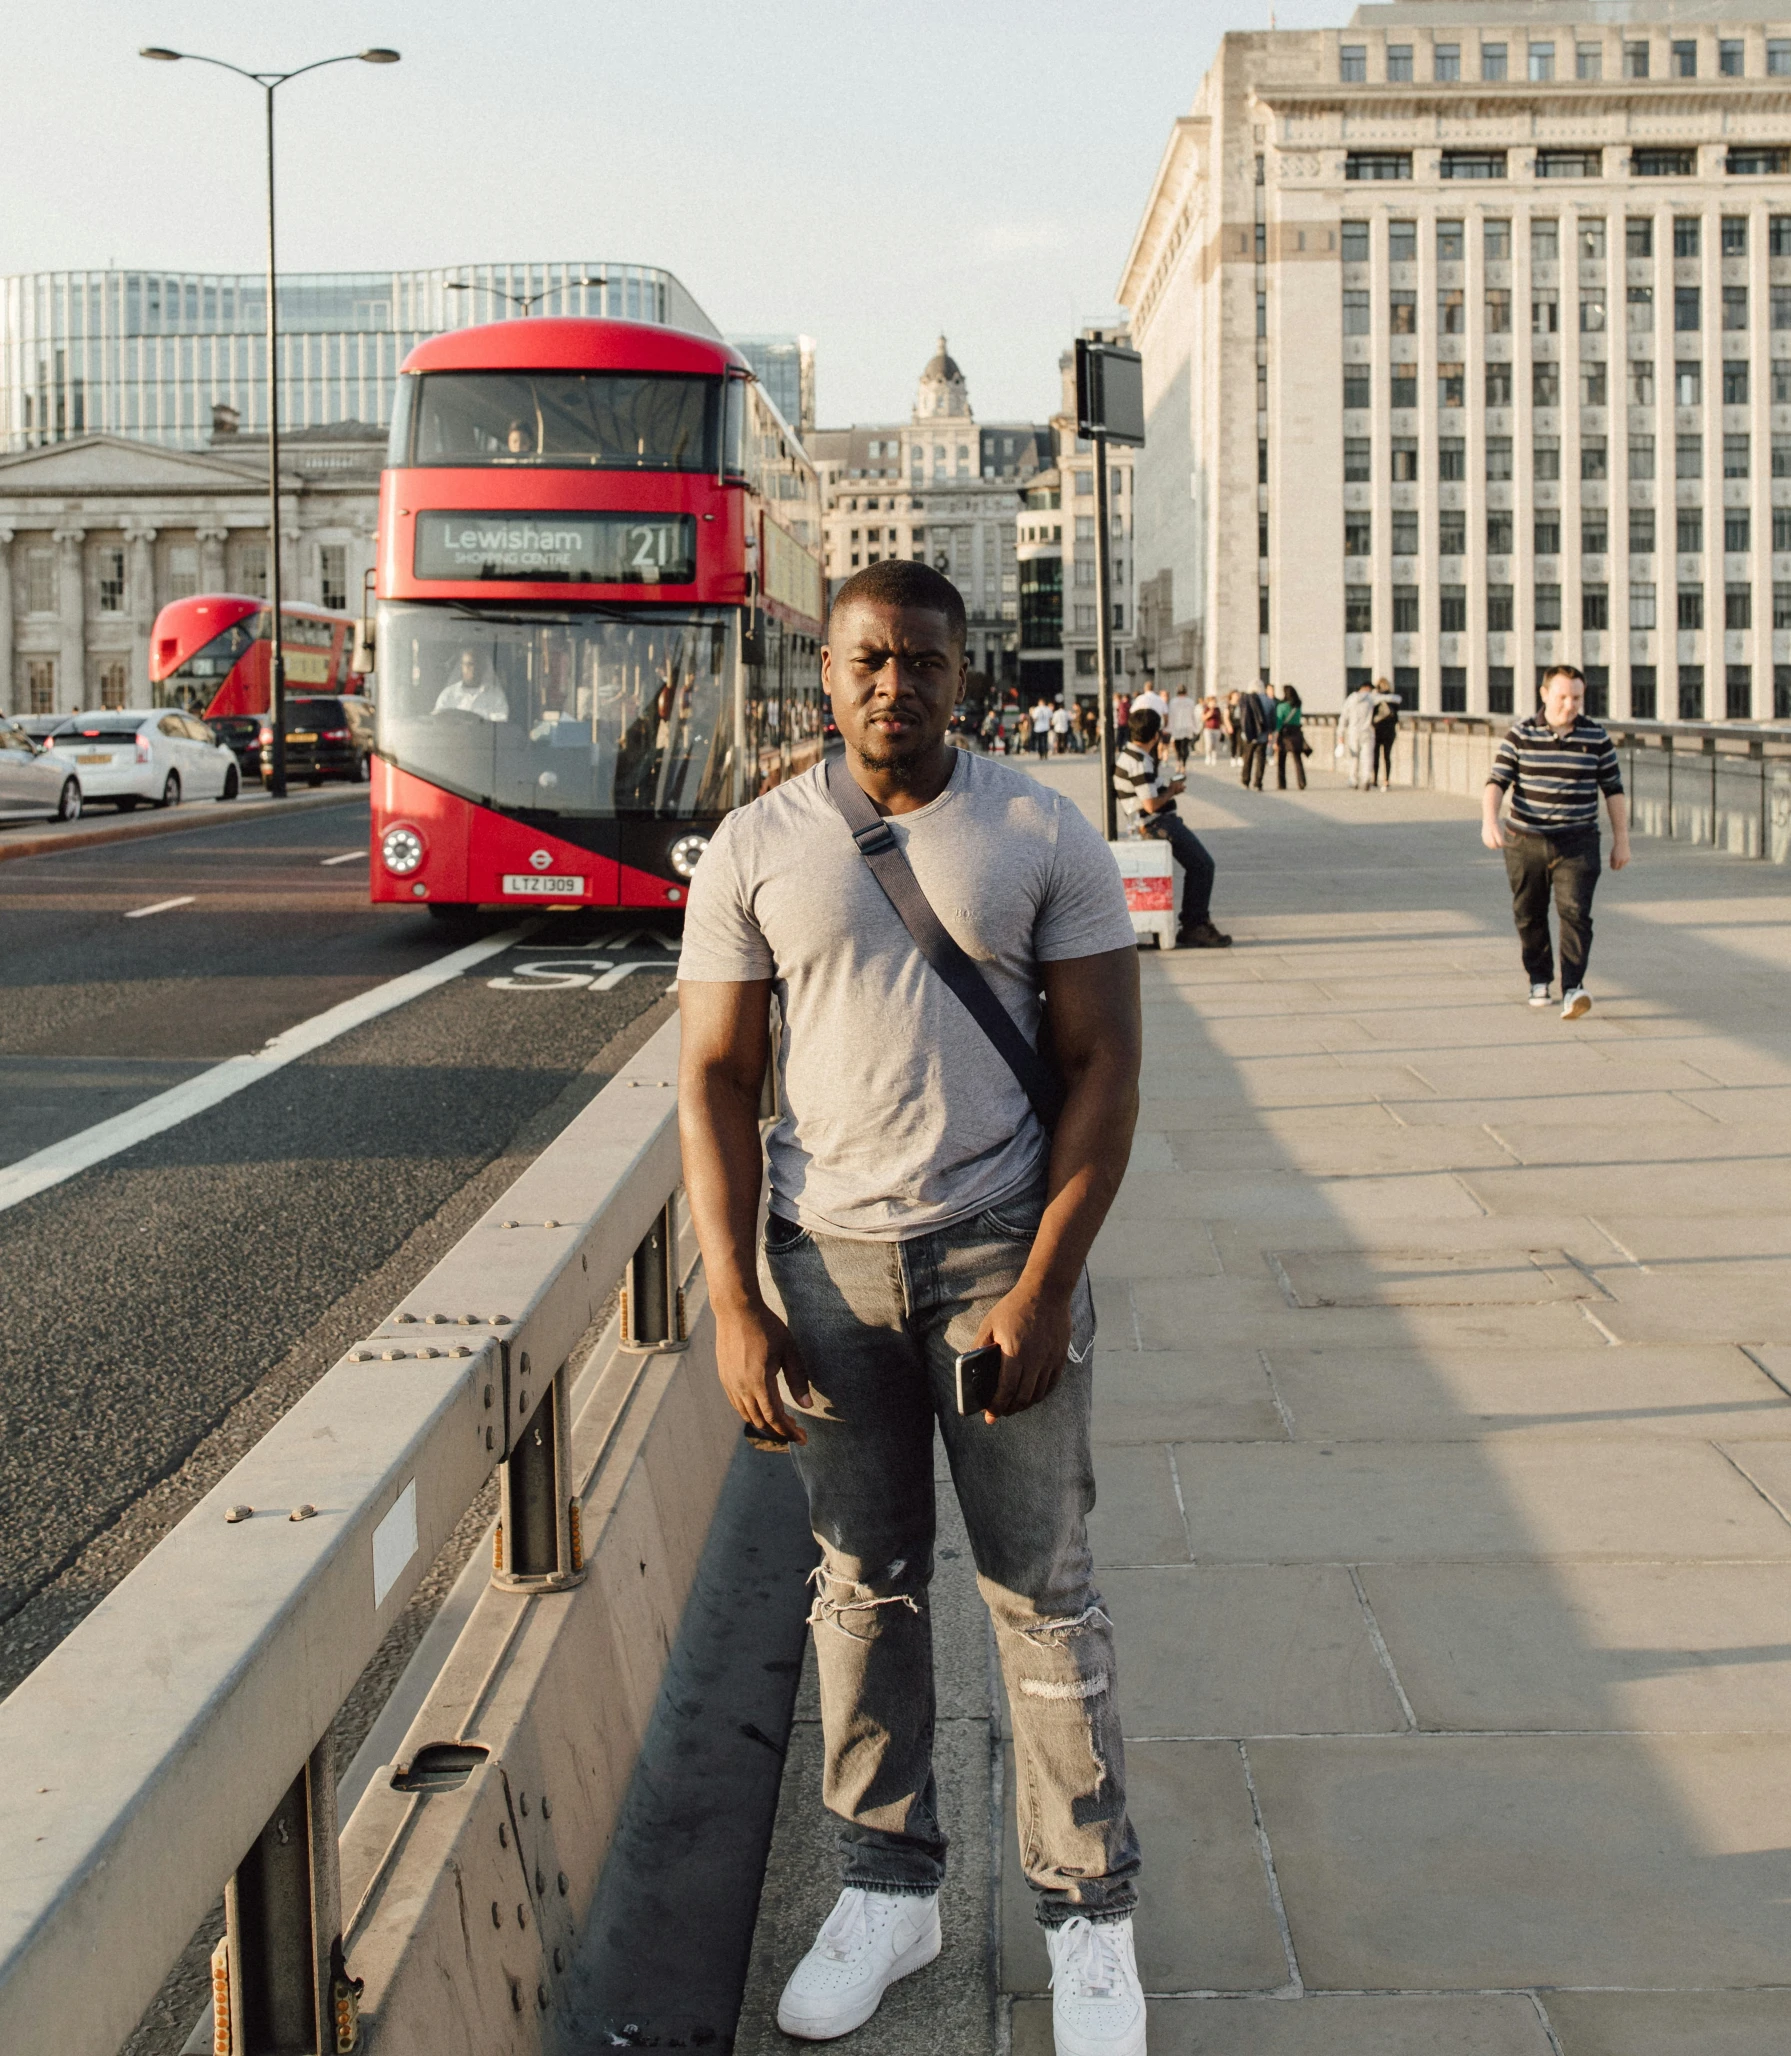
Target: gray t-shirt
898,1114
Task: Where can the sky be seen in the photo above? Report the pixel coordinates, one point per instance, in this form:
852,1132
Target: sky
867,172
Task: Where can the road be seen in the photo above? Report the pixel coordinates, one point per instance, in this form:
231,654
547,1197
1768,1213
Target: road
162,1305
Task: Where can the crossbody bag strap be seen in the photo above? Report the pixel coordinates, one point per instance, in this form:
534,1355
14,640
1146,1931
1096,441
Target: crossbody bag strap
880,850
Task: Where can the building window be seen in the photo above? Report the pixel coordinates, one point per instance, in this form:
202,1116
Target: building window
1404,385
1641,692
1452,532
1402,313
1641,381
1352,64
1358,460
1498,609
1445,63
1085,571
1592,310
1687,313
1738,691
1595,606
1499,687
1734,308
1262,610
40,685
1688,384
1635,60
1492,61
1358,532
1405,459
1451,313
1356,317
1452,609
1588,61
332,564
1262,460
1758,162
1688,456
1736,459
1495,240
1545,457
1548,606
1545,240
1405,531
1663,163
1691,692
1738,606
1641,310
1734,235
1735,382
1688,531
1085,620
40,585
1545,384
1405,610
1638,236
1454,689
1542,63
1399,64
1084,484
1452,458
1545,533
1087,665
1641,456
1594,460
1498,532
1691,607
1592,384
1498,310
1641,531
1569,163
1781,456
1355,244
1498,458
113,677
252,569
1358,610
1595,532
1684,60
1472,164
183,571
1781,609
109,568
1641,606
1358,387
1377,164
1545,311
1598,690
1730,58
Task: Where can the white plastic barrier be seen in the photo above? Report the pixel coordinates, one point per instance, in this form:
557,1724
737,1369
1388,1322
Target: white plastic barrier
1152,880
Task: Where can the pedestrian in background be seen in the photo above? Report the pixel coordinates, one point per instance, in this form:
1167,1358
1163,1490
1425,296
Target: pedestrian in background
1184,724
1151,698
1384,718
1060,729
1290,739
1212,728
1554,764
1040,717
1148,798
1355,737
1256,720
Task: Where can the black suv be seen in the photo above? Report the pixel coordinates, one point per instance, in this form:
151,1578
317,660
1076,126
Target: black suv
325,738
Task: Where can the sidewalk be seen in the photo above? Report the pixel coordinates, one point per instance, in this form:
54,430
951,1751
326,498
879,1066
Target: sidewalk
1445,1478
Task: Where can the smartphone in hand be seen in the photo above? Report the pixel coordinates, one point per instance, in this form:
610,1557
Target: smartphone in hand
979,1378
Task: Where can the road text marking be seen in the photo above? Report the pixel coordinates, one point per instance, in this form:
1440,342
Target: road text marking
161,906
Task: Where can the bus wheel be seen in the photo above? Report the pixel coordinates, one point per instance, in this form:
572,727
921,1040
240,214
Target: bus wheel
232,784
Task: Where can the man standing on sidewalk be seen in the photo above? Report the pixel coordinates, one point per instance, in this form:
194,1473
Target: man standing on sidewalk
1554,764
1256,717
919,1208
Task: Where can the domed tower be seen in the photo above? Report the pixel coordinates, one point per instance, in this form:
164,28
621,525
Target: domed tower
942,390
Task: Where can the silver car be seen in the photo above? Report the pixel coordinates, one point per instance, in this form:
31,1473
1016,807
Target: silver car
34,780
131,754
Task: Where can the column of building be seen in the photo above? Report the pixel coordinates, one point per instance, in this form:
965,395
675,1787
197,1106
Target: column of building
211,558
140,547
10,695
71,595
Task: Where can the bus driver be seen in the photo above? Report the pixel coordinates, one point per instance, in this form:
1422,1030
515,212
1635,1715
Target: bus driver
467,693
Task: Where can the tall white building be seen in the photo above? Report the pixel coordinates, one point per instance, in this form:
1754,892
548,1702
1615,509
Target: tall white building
1467,342
940,488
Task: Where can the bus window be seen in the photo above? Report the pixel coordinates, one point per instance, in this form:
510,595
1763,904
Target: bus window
601,420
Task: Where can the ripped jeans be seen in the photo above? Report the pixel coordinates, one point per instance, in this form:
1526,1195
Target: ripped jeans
878,1325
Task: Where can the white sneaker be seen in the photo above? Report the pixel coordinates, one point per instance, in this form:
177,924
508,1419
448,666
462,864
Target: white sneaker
1539,995
1575,1003
1097,2003
866,1943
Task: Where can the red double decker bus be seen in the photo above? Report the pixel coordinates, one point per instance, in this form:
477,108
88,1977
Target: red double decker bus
212,655
599,617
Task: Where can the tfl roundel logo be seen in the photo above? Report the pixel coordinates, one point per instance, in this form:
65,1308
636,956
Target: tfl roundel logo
541,860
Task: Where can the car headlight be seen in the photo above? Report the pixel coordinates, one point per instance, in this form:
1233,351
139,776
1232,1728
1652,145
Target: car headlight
401,850
687,853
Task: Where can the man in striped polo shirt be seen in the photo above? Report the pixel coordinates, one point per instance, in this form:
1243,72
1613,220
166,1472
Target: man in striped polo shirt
1554,765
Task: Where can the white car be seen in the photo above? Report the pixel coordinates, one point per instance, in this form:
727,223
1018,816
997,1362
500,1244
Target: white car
128,755
34,780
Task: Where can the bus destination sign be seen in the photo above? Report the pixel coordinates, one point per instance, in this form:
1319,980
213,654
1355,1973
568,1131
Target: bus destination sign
556,548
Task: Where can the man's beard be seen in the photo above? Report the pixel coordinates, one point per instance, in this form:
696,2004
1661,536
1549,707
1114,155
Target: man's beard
905,772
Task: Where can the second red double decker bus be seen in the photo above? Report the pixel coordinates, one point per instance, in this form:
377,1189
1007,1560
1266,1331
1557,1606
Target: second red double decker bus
600,613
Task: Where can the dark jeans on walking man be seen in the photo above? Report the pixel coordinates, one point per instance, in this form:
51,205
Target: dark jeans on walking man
1565,866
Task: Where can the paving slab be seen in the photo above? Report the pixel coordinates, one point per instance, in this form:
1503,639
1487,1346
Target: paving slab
1163,1395
1358,2025
1434,1862
1137,1516
1668,2023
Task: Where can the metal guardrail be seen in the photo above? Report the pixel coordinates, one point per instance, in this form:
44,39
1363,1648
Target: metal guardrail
176,1742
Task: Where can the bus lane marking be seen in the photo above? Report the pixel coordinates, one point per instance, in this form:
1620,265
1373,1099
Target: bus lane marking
553,974
161,906
46,1167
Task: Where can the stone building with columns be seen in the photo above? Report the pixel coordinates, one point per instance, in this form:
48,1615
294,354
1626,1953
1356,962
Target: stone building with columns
99,532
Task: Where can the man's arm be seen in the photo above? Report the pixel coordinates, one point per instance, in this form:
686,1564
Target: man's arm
1492,798
1097,1032
1619,806
721,1074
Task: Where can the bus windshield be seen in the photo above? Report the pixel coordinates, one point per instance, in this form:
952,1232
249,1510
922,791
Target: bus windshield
591,713
598,420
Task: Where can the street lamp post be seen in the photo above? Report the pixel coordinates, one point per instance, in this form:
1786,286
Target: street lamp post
270,82
1109,409
526,301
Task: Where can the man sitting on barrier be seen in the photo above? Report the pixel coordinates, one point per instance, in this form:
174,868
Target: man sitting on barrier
935,1188
1149,798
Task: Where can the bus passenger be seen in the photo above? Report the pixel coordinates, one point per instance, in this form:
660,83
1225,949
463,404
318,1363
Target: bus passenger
466,692
519,440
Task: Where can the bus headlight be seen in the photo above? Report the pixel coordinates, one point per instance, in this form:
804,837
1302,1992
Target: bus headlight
401,851
687,853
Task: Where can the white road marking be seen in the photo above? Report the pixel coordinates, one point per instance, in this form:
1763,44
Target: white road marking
47,1167
552,975
353,857
161,907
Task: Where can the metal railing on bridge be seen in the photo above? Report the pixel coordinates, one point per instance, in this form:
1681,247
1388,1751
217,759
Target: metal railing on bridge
176,1743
